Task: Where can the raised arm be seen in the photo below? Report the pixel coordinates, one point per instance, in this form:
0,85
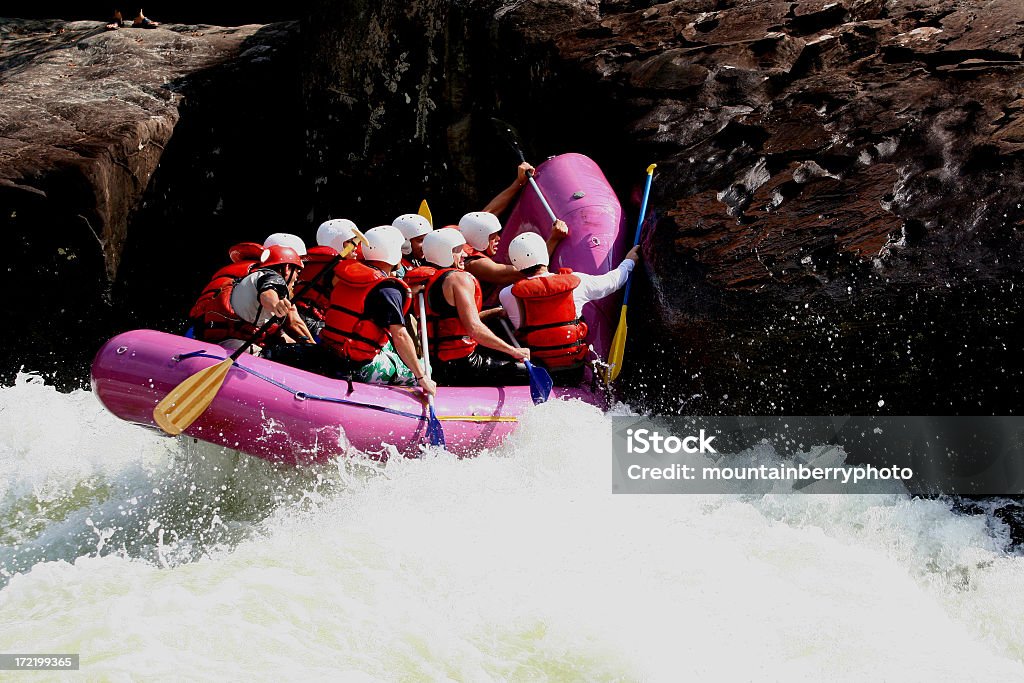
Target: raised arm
505,197
559,231
487,270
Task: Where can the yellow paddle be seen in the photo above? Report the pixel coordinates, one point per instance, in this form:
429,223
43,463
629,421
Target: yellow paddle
618,348
191,398
425,212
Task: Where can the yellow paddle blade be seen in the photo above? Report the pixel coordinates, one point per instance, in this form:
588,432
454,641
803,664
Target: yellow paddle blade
425,212
188,400
618,348
479,418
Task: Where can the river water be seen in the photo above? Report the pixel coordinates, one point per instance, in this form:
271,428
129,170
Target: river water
161,558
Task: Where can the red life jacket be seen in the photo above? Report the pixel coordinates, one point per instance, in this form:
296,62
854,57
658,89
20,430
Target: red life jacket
549,326
245,251
489,291
317,298
348,331
449,340
213,318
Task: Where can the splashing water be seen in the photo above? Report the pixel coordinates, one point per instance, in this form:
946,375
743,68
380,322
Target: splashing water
159,557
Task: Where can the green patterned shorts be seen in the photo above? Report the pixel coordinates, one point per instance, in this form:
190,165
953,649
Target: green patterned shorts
386,368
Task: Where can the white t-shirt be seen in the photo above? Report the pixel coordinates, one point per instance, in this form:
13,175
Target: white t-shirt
246,300
591,288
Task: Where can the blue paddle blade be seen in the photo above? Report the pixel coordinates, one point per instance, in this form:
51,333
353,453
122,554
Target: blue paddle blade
540,383
435,434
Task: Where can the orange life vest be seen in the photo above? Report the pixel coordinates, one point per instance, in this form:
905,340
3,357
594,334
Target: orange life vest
213,318
348,331
549,326
317,297
449,339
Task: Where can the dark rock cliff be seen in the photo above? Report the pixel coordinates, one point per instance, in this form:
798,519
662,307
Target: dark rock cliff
838,186
118,151
837,200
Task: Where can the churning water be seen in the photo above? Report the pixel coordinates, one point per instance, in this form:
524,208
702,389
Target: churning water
162,558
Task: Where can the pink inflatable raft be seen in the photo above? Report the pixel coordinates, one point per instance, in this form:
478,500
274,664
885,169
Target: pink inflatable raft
288,415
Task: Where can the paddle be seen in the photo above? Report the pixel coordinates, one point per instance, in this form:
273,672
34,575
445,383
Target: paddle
618,348
425,212
435,434
510,137
540,380
187,401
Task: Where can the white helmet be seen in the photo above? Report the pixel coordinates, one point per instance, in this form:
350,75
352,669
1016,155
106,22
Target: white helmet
528,250
286,239
384,243
335,232
438,246
412,226
478,228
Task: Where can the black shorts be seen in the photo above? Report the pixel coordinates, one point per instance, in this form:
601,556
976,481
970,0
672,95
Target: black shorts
483,367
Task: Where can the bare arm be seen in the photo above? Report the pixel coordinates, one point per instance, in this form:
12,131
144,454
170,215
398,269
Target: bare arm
296,324
505,197
459,289
496,312
274,304
559,231
282,308
486,270
407,352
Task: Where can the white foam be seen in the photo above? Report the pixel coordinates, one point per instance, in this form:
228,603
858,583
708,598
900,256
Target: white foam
519,564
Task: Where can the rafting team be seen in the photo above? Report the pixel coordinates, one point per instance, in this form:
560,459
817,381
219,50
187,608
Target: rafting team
353,292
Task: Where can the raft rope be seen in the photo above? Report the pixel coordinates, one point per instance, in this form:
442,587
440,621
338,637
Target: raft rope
303,396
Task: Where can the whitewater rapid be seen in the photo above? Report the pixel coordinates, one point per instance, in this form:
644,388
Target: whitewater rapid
158,558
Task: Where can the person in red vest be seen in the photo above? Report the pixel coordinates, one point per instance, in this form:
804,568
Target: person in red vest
335,237
243,296
415,227
365,323
463,350
482,232
296,322
547,308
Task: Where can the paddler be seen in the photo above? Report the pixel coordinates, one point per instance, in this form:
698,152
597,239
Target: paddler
365,322
482,232
237,302
414,227
463,351
547,308
338,236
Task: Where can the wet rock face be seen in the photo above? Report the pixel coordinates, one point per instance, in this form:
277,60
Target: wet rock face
400,96
839,197
86,120
838,186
